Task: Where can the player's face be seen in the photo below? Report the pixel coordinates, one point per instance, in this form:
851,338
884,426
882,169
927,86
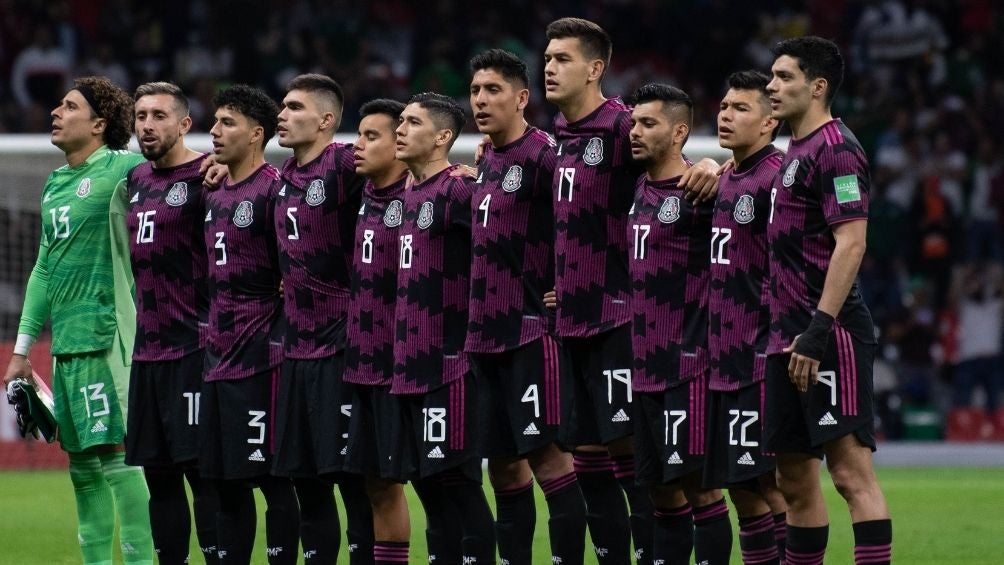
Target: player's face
73,123
790,90
233,136
742,119
416,134
651,132
495,102
299,120
159,124
376,145
566,70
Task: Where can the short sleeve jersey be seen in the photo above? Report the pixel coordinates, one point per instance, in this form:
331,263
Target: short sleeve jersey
669,282
823,181
245,311
593,190
512,245
369,356
433,284
88,303
315,221
165,220
738,308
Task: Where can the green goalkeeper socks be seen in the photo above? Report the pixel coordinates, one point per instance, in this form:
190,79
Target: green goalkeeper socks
94,509
132,504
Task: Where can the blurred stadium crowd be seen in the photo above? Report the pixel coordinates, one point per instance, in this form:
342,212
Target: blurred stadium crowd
923,92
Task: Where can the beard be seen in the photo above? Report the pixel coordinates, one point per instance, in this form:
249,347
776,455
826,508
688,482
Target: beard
157,151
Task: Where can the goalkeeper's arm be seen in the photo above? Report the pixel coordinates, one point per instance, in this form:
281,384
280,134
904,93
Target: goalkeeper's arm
33,316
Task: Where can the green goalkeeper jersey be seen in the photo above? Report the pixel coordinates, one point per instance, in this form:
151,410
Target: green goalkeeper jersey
82,278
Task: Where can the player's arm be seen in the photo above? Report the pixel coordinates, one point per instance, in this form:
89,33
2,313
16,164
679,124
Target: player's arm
807,349
33,316
700,182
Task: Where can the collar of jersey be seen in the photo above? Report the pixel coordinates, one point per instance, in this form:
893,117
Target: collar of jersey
98,153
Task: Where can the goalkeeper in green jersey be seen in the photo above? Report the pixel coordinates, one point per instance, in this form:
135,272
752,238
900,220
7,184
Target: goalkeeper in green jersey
82,281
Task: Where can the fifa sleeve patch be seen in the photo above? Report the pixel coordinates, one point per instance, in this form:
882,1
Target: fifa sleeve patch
846,188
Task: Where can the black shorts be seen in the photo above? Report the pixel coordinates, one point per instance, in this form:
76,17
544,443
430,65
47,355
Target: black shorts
840,403
600,381
375,434
164,402
735,443
312,417
237,426
669,432
519,398
439,431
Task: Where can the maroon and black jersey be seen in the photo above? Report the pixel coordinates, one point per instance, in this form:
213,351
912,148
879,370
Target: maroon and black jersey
739,313
245,308
823,181
369,355
165,218
512,245
315,221
593,189
668,263
433,284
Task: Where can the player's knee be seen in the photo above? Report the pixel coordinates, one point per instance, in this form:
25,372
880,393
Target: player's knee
852,483
506,473
384,495
549,462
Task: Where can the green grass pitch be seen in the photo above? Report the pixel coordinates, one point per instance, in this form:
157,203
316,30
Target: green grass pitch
941,515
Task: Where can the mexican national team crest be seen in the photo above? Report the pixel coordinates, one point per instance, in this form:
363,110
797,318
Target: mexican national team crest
513,178
84,188
425,215
178,194
392,217
744,209
315,192
593,153
244,214
669,212
789,174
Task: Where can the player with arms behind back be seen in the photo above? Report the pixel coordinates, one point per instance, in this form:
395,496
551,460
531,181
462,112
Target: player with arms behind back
822,340
739,320
83,283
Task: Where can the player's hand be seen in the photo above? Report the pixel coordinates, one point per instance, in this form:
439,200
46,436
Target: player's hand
700,182
214,175
479,151
18,368
802,370
464,171
550,299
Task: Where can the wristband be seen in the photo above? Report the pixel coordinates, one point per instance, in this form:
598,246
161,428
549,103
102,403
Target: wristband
23,344
812,342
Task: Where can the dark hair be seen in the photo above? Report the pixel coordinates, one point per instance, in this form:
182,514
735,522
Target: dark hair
323,85
254,104
111,103
595,41
756,81
817,58
511,67
672,98
445,111
386,106
168,88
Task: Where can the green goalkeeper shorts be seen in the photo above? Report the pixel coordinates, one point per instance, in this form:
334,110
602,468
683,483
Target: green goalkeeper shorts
90,391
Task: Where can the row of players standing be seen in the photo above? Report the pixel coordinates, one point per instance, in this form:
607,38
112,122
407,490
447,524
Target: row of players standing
448,280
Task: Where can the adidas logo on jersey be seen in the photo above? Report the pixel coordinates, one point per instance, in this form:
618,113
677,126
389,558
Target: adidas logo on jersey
827,420
746,459
134,199
531,430
256,456
674,459
436,453
620,416
99,427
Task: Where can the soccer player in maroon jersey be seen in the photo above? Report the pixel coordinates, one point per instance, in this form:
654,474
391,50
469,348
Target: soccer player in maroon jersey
244,345
822,342
739,320
172,303
315,220
669,269
369,356
431,370
593,189
510,332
